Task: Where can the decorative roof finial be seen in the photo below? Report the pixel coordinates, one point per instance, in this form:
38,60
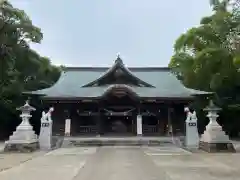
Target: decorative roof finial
118,55
118,60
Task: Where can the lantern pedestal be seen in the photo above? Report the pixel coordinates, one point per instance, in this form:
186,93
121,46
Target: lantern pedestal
214,139
24,138
216,147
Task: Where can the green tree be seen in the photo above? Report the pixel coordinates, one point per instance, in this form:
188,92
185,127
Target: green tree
21,68
16,30
206,57
220,5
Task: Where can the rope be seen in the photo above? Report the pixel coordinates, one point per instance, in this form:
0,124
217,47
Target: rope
124,112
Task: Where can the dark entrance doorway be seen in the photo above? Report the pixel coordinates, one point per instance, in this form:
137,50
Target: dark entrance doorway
119,111
150,125
119,125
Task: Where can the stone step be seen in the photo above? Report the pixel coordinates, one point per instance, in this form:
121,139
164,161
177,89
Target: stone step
114,142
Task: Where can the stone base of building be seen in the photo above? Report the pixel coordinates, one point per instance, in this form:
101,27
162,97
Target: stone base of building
21,147
216,147
115,141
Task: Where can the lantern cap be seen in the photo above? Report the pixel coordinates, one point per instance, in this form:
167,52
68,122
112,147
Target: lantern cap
186,109
212,107
26,107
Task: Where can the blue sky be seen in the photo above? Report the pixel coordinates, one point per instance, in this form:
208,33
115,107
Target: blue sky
92,32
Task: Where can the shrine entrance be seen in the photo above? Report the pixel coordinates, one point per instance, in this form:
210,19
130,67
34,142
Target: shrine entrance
119,125
118,117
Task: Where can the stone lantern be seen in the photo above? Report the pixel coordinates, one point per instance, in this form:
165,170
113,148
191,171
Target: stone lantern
24,138
214,139
25,116
212,111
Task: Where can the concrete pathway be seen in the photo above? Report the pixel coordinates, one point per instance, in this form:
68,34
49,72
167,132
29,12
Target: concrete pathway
8,161
128,163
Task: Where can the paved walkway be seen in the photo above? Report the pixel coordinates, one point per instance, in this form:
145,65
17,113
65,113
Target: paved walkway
118,163
8,161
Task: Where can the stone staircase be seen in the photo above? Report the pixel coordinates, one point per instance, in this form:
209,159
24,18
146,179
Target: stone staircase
116,141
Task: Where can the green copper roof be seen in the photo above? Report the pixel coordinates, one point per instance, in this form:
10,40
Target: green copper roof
77,82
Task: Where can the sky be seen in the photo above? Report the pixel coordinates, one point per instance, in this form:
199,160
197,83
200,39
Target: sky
92,32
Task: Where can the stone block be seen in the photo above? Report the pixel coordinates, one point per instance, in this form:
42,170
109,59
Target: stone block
45,137
217,147
21,147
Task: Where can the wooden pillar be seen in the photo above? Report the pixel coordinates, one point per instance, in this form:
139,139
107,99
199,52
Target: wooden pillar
158,125
99,121
169,124
99,125
132,128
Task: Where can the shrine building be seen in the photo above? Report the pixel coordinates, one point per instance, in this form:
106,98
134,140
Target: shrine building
118,100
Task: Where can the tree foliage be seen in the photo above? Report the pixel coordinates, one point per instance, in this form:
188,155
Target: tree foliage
207,57
21,68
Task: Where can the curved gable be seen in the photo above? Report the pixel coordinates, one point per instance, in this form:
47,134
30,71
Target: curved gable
117,72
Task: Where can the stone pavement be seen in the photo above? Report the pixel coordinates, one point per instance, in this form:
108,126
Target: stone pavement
7,161
128,163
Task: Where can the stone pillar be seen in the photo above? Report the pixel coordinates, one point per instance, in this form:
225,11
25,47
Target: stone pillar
45,137
192,137
67,127
24,138
214,138
139,125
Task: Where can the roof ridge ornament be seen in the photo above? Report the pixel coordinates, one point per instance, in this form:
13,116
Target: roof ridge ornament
118,55
118,60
